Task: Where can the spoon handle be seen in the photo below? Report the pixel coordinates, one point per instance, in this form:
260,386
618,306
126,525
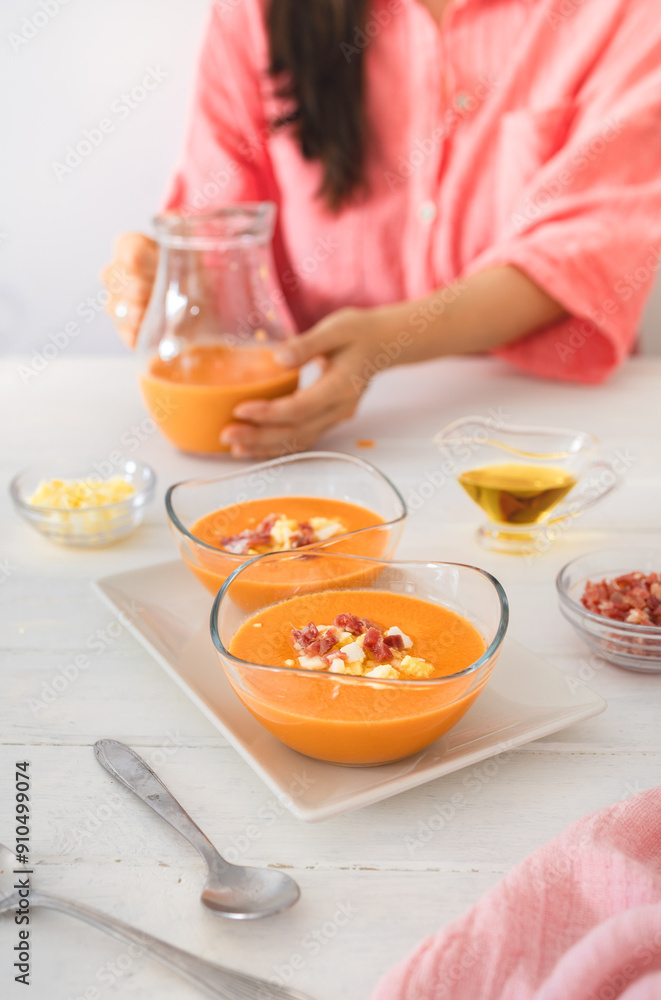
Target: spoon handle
215,979
136,774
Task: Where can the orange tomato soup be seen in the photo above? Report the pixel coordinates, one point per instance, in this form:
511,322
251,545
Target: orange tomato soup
192,396
272,580
357,720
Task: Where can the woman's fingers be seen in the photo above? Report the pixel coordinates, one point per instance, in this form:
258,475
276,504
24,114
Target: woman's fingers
292,422
138,253
127,317
334,388
121,284
129,280
325,337
265,441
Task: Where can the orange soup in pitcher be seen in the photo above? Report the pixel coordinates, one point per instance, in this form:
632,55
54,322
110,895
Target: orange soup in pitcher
192,395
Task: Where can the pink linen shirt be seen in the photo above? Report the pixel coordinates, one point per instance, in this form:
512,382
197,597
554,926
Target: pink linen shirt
522,132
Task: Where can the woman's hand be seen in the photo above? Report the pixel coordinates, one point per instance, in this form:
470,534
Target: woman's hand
347,343
129,280
486,310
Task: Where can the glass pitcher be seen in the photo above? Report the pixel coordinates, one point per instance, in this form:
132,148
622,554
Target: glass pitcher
214,316
519,477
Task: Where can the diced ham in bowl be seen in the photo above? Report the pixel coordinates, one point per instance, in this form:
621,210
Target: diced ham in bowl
612,597
631,597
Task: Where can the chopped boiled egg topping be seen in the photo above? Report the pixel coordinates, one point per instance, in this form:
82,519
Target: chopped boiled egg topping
278,533
357,646
70,494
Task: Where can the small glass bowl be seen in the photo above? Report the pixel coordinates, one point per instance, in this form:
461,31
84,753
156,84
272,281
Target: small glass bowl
635,647
84,527
346,719
324,474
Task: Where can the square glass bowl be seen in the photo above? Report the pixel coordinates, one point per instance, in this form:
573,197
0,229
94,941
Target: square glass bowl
635,647
317,474
342,718
84,527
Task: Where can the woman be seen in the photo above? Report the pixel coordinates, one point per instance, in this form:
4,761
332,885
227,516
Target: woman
451,178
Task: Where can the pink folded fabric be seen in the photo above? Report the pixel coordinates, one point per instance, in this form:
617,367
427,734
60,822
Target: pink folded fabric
580,919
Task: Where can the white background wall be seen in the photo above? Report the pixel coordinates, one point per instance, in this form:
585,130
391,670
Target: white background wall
55,234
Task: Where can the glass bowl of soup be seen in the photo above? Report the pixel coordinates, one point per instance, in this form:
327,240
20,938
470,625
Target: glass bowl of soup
288,504
370,661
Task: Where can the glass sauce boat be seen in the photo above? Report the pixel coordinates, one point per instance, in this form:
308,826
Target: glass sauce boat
519,477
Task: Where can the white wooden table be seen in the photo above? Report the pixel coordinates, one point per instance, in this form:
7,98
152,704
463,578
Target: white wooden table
367,896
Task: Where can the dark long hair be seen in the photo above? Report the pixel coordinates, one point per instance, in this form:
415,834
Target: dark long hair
316,62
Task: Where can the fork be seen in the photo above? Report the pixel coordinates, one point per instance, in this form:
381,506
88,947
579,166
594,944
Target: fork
217,980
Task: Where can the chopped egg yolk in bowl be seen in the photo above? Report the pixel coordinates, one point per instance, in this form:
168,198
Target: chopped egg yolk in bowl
84,510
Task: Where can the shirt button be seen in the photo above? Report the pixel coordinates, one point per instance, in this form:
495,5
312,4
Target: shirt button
427,211
462,101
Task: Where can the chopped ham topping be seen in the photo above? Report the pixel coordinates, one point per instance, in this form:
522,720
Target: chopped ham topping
357,646
337,654
304,536
278,533
632,597
353,624
350,623
325,642
305,636
244,541
375,642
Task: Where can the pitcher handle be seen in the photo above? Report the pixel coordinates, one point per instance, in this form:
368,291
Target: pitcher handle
603,479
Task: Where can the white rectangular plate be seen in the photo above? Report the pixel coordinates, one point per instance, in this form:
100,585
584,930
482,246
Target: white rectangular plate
168,612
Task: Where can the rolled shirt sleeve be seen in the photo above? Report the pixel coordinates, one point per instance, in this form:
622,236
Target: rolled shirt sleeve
587,226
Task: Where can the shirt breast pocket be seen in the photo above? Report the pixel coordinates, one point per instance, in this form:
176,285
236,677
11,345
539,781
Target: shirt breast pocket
526,140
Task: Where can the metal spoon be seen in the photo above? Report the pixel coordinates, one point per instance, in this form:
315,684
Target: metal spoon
217,980
231,890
